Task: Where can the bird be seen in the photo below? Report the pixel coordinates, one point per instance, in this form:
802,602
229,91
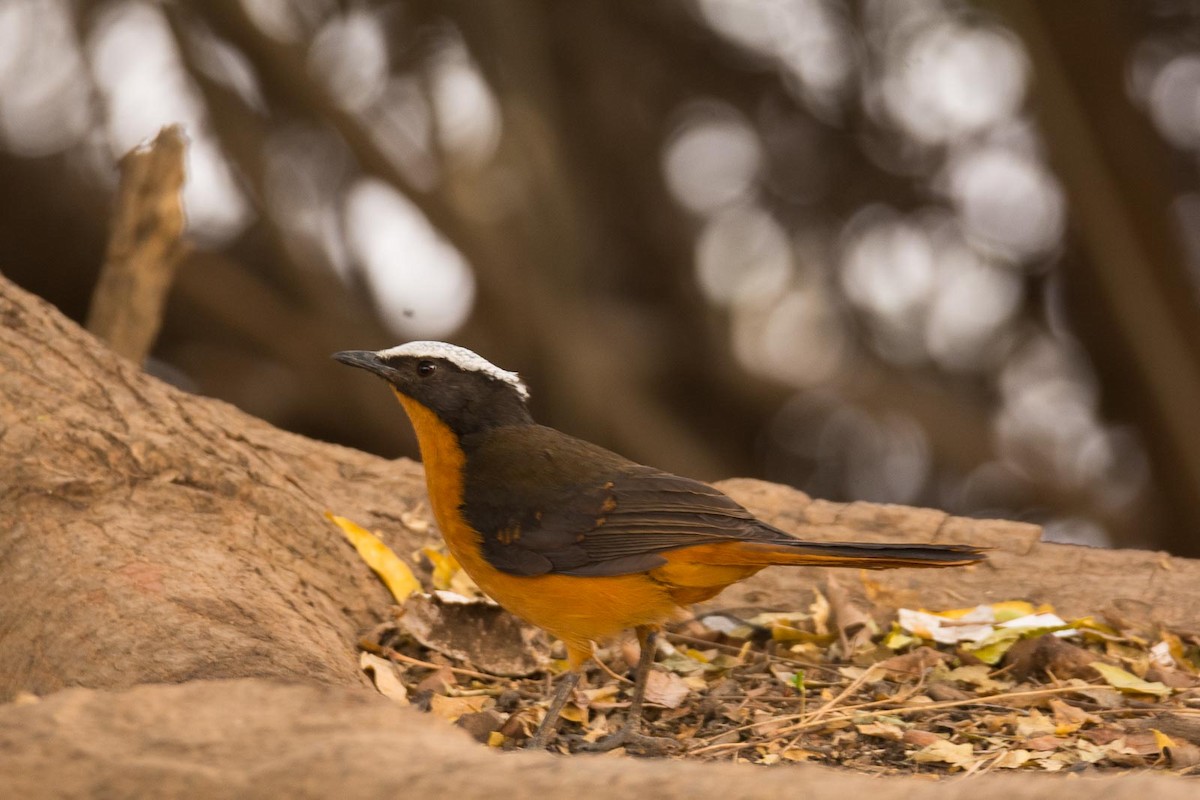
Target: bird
576,539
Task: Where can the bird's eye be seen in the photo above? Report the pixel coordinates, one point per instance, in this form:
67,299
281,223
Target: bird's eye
426,368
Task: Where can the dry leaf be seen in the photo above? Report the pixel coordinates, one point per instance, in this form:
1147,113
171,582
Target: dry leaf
970,626
1068,716
1161,739
451,708
666,689
944,751
603,694
978,675
573,712
882,730
481,724
476,632
1036,724
394,573
383,674
444,566
920,738
797,754
1128,682
913,665
1047,743
1013,759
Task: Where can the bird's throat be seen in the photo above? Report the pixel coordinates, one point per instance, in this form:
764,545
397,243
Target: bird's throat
443,459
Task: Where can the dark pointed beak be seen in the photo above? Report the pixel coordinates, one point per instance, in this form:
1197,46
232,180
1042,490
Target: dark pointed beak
364,359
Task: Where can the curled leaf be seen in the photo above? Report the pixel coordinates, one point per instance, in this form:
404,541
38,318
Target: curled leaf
383,674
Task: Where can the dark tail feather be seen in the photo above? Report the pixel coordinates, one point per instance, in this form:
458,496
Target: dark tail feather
864,555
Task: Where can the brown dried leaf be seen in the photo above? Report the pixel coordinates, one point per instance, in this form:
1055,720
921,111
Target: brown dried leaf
945,751
1036,724
666,689
1069,716
919,738
912,665
476,632
1013,759
978,675
383,674
882,730
481,724
1046,743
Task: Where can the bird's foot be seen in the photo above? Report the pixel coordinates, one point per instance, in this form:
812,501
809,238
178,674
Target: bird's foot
538,742
633,742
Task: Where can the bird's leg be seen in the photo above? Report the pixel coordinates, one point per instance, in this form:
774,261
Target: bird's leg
549,726
629,734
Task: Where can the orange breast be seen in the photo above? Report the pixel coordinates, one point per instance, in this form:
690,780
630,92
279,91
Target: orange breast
578,610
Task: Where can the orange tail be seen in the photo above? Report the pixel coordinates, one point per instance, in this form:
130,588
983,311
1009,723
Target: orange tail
864,555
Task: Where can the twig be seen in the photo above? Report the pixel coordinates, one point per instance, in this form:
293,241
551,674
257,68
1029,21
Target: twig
145,245
815,723
853,687
396,655
611,673
768,656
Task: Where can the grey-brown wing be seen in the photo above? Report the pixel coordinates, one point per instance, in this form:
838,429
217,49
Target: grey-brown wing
577,509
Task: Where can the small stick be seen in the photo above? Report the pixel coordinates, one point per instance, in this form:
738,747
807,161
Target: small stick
396,655
144,246
808,724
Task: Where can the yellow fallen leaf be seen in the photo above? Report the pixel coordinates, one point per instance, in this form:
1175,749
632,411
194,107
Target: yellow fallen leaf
575,713
603,694
496,739
1161,739
991,648
444,566
394,573
384,676
1004,610
1128,682
451,708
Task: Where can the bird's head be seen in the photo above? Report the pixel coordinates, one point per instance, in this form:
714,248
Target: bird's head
464,390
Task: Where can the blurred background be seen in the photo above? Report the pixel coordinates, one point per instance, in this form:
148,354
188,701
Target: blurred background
932,252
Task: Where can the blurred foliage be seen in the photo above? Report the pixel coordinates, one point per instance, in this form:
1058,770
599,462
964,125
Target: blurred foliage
918,251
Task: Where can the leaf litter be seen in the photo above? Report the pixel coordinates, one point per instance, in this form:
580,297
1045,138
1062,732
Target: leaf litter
1003,686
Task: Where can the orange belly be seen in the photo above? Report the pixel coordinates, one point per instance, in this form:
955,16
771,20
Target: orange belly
578,610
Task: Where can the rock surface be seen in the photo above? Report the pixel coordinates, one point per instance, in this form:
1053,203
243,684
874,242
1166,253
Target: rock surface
258,738
151,536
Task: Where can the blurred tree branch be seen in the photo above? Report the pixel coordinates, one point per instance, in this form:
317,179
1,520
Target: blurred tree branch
144,248
1131,297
